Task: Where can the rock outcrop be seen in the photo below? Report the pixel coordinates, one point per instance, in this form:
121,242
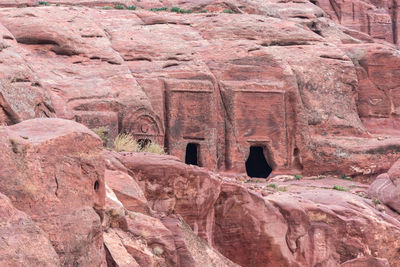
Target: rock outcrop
142,229
22,242
54,209
214,82
386,188
292,223
297,87
53,170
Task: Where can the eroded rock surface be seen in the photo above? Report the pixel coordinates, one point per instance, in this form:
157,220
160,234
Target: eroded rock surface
386,188
319,221
222,82
313,84
53,170
22,241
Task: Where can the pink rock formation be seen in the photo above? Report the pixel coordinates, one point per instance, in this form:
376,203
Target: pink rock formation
126,190
301,224
52,169
296,87
386,188
366,261
158,239
21,95
212,86
22,241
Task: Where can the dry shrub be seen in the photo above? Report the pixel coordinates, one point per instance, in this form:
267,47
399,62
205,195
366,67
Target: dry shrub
126,143
101,132
153,148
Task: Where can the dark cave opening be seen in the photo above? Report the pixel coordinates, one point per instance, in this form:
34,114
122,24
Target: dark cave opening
96,186
192,154
256,164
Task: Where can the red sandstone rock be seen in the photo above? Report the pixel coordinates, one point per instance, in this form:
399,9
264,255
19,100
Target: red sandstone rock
317,97
105,94
127,191
223,82
154,238
385,189
373,18
309,224
366,261
192,250
53,170
18,3
170,185
158,238
116,252
22,242
22,96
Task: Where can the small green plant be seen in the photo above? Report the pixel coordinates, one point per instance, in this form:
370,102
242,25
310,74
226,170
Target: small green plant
155,9
298,176
57,4
175,9
125,142
101,132
376,201
119,7
131,7
203,11
345,177
179,10
106,7
43,3
228,11
153,148
272,185
339,188
282,189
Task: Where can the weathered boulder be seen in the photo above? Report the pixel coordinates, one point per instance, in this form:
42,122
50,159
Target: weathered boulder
191,249
116,253
126,190
53,170
386,187
22,242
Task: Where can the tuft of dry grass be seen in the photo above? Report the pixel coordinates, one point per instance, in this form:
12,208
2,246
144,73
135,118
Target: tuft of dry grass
126,143
153,148
101,132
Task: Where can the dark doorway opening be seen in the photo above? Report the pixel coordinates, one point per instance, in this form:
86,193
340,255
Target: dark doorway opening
143,143
192,154
256,164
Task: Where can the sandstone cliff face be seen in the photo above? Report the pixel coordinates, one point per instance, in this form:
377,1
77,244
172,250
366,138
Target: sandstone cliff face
280,76
312,84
